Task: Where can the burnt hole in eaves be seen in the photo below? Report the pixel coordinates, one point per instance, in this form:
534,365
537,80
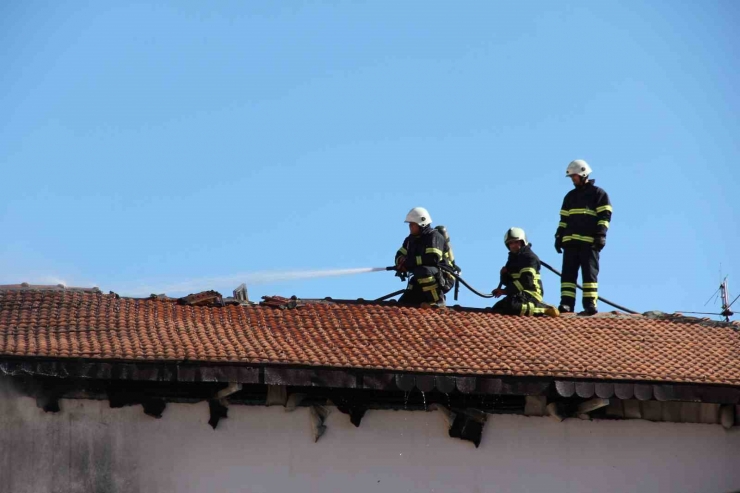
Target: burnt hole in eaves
118,397
566,407
217,412
154,407
351,403
49,403
46,390
468,426
131,395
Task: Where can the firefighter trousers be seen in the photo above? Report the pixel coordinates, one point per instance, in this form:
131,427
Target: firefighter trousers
423,287
519,304
585,258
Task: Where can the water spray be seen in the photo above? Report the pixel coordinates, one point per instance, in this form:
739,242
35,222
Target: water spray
250,278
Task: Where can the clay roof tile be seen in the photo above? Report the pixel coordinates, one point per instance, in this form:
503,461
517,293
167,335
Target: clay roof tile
70,323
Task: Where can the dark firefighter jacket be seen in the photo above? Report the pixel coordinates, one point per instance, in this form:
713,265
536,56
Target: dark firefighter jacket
523,273
425,249
585,214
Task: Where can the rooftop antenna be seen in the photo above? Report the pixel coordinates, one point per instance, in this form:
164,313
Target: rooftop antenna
724,294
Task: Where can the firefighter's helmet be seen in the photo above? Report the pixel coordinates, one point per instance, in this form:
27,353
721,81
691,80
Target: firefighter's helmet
420,216
514,234
578,167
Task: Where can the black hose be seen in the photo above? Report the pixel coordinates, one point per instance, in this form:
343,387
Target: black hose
462,281
445,268
471,288
396,293
544,264
455,274
619,307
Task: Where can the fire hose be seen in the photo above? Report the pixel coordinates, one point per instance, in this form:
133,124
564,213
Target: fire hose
610,303
459,280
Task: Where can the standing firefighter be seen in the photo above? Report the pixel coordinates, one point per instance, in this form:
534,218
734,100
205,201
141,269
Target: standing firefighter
421,256
581,235
521,277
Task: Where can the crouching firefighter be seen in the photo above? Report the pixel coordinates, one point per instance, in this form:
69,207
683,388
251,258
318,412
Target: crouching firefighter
521,280
422,257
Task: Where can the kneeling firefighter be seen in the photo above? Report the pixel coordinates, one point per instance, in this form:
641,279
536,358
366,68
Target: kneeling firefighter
422,256
521,278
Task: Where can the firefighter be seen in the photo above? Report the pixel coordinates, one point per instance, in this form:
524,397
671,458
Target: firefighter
421,256
581,235
521,278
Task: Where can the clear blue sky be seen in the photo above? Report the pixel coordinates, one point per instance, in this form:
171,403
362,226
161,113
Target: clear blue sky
146,144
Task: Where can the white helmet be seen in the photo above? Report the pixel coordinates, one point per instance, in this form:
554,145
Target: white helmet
420,216
515,234
578,167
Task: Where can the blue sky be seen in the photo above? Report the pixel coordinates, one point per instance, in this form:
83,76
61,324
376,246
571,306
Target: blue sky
148,145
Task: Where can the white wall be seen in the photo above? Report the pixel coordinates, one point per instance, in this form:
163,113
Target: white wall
90,447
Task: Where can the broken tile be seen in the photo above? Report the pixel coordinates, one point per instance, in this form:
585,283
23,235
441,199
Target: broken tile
592,405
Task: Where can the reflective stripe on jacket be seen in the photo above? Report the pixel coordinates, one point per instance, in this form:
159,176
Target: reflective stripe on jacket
424,249
523,274
585,214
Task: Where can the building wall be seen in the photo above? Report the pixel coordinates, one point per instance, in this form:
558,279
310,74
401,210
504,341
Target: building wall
90,447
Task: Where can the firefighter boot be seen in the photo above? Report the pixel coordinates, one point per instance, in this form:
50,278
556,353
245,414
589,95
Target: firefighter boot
589,309
551,311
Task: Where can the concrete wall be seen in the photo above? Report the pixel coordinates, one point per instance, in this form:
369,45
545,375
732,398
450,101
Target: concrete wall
90,447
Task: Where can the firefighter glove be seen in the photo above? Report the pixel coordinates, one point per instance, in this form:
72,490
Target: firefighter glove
558,244
599,243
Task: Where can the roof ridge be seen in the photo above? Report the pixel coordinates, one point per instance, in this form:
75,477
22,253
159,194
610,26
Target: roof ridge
294,302
24,286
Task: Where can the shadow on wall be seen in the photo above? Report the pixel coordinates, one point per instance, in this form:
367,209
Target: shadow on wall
66,452
10,412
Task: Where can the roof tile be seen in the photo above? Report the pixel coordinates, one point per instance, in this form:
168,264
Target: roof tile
88,324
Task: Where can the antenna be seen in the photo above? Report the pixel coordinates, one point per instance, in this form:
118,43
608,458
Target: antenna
725,294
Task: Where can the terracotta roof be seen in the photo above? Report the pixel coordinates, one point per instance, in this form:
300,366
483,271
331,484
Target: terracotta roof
60,323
